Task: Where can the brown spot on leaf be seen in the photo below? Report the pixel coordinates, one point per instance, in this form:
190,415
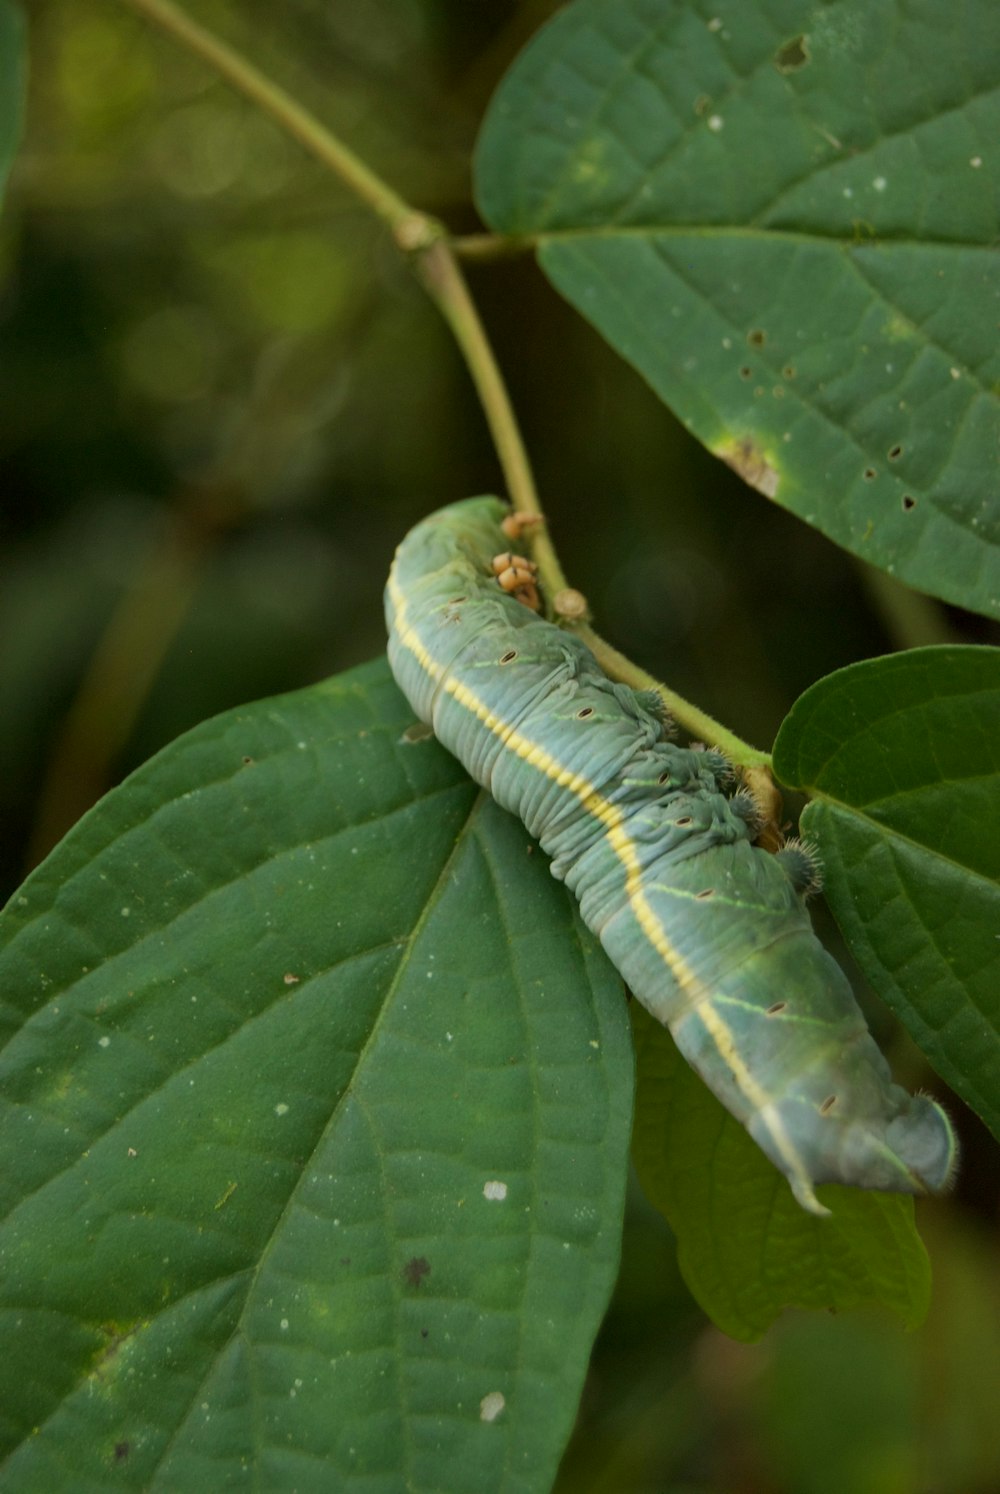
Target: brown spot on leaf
415,1270
792,55
747,458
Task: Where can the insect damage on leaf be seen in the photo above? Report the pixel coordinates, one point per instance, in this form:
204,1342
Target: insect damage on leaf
747,458
415,1270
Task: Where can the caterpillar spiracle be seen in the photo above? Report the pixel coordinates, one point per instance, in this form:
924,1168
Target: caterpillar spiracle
710,932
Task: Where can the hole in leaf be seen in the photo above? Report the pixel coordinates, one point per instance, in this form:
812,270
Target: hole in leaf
779,1006
509,656
869,474
908,502
684,820
895,452
788,371
745,372
587,711
705,892
828,1104
757,338
792,55
664,777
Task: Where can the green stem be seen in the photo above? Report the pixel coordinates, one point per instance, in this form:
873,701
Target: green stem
489,247
701,726
283,110
438,268
443,279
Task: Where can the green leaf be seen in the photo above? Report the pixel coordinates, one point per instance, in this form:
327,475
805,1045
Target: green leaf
316,1103
745,1247
13,77
785,217
902,758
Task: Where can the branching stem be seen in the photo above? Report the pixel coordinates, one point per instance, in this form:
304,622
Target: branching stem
435,258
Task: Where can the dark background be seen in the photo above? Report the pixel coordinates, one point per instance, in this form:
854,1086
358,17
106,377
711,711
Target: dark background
223,399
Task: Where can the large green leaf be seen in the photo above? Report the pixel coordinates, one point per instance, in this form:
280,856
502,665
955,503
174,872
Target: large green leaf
13,62
746,1248
316,1100
785,215
902,758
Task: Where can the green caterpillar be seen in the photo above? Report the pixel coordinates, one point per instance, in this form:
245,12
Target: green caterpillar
710,932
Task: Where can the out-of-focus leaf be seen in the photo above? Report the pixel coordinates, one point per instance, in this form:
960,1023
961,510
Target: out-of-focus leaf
902,759
746,1248
785,216
316,1099
13,69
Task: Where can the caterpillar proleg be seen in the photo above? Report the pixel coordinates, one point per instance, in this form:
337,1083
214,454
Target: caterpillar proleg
710,932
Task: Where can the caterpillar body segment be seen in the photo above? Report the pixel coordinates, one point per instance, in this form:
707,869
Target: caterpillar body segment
710,932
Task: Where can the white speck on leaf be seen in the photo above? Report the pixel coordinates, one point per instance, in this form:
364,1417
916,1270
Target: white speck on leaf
880,184
126,912
975,161
491,1405
284,1325
715,122
281,1108
495,1191
104,1042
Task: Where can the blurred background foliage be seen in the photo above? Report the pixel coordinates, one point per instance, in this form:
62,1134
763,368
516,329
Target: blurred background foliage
222,401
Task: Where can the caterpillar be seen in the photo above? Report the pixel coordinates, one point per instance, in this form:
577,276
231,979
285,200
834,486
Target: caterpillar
710,932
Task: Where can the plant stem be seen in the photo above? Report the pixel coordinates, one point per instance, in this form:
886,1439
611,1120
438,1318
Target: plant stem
119,675
489,247
702,726
282,108
443,279
436,263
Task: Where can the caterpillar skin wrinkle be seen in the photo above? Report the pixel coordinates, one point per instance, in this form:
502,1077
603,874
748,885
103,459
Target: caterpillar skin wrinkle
710,932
